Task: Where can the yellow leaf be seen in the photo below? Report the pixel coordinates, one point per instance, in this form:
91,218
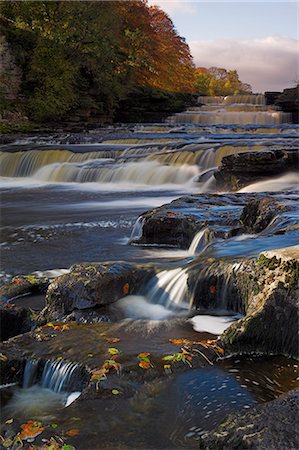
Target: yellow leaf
115,392
113,351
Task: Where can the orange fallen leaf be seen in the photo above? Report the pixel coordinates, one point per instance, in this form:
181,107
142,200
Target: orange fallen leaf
126,288
73,432
143,355
31,429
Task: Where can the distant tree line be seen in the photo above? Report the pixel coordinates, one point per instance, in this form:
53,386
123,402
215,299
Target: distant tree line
93,58
218,81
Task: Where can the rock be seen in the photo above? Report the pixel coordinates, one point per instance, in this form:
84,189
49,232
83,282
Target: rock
22,285
258,214
269,288
288,101
14,321
270,426
240,170
91,285
176,224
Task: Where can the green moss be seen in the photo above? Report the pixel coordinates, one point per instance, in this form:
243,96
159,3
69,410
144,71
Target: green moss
268,263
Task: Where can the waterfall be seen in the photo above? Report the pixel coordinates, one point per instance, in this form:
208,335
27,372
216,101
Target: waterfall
30,373
58,376
229,110
253,99
199,242
169,288
232,117
137,229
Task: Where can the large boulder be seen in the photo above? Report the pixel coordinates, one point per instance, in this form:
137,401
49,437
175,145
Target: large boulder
269,289
239,170
91,285
269,426
22,285
288,101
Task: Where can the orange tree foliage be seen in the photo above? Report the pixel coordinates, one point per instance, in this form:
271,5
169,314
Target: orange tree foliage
219,81
90,55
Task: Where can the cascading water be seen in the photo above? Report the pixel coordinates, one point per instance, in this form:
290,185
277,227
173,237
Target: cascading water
199,242
57,384
225,113
137,229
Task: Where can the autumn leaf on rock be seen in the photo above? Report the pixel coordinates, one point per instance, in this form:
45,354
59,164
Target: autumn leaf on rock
73,432
31,429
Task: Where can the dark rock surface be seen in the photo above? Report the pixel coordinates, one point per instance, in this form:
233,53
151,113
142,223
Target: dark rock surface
270,426
14,321
288,101
91,285
23,285
176,224
242,169
258,214
268,287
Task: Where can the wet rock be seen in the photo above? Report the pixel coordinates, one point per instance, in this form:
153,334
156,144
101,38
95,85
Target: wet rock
269,426
240,170
175,224
22,285
14,321
91,285
269,287
258,214
288,101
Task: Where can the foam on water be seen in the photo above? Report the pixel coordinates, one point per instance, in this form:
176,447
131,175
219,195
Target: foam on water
212,324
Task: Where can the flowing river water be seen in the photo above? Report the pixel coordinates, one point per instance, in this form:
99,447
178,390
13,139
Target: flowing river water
69,198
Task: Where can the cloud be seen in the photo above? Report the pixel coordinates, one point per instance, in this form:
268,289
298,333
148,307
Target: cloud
267,64
175,6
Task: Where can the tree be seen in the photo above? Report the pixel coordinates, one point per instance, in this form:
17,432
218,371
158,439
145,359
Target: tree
219,81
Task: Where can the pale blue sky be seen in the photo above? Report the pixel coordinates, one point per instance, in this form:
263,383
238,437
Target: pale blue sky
212,20
258,38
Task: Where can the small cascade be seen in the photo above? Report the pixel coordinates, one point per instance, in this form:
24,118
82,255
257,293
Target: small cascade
213,286
137,229
58,376
170,289
252,99
199,242
30,373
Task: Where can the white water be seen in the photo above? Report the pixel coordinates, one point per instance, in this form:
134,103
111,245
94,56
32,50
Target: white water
225,113
212,324
288,182
137,229
139,307
169,288
199,242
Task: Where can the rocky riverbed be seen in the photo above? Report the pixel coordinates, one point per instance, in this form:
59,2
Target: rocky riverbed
149,294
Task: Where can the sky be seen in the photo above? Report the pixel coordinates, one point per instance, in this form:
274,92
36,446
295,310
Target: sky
259,38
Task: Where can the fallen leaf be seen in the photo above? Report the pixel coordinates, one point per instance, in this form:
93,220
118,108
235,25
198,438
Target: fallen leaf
112,340
115,392
126,288
73,432
31,429
212,289
113,351
144,364
3,357
9,421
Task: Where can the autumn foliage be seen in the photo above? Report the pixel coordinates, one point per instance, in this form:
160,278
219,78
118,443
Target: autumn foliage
89,55
219,81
